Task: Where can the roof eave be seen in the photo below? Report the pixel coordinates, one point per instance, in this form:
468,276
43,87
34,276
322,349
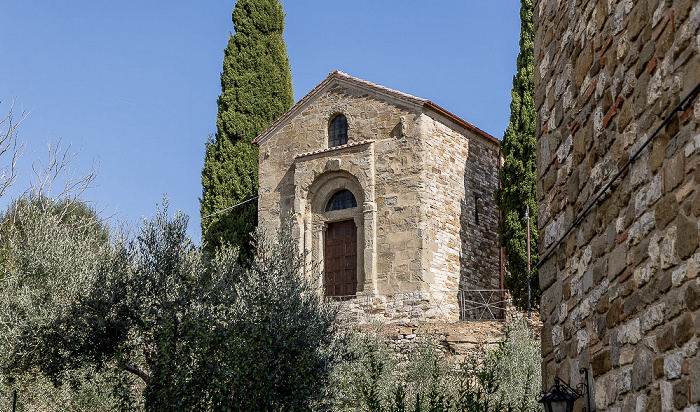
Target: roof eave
438,109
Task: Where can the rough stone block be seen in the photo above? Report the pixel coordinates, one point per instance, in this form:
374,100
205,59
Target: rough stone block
664,340
653,317
632,304
691,297
642,369
601,363
695,380
602,328
666,389
672,365
599,395
663,283
658,368
657,154
613,315
675,171
617,261
624,381
547,344
547,274
654,402
666,210
680,394
695,204
685,329
585,59
687,236
603,304
640,403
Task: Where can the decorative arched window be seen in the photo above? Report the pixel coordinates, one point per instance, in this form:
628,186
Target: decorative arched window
338,131
342,199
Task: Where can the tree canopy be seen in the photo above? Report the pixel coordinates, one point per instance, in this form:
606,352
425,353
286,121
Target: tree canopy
518,175
256,88
197,331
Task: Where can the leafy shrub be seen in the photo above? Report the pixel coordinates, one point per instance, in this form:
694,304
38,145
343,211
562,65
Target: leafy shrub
371,377
263,348
50,253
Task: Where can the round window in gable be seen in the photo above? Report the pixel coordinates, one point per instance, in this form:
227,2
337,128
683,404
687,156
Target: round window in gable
338,131
343,199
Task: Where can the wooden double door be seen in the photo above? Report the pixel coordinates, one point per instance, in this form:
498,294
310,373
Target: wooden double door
340,257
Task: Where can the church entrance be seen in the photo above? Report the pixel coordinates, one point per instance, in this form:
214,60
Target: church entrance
341,259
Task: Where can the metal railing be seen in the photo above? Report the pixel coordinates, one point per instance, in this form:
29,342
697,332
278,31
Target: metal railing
484,304
467,305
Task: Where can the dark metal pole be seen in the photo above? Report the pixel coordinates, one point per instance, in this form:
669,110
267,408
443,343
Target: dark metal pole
587,388
527,219
14,401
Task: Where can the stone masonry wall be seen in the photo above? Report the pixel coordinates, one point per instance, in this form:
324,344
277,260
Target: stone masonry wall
368,119
397,191
462,174
621,294
416,176
400,193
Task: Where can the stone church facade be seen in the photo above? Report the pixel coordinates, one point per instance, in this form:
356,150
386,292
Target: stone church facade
391,196
621,291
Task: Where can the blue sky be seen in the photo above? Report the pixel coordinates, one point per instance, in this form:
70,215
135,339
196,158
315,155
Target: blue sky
133,84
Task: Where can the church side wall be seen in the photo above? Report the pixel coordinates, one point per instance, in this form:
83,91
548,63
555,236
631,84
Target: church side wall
461,172
621,294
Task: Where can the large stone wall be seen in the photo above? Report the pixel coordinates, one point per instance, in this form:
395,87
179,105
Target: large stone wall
621,294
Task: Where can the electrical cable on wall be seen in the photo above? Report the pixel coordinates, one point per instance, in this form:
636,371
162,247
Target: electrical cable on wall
229,208
584,213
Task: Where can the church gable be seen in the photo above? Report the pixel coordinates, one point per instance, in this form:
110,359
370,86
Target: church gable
369,116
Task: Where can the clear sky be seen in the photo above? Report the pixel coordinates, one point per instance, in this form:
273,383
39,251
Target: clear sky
133,84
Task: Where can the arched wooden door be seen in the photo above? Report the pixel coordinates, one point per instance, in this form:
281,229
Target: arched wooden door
341,259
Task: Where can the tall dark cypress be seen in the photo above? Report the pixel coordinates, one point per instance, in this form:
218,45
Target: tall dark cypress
519,173
256,88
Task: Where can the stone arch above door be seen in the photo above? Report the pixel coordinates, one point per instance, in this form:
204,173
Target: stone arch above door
314,221
327,184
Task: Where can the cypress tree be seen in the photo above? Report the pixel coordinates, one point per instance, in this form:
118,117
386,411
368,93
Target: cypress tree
518,175
256,88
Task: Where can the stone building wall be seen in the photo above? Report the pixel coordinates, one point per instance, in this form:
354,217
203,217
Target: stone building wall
297,158
368,119
414,170
621,294
462,173
400,194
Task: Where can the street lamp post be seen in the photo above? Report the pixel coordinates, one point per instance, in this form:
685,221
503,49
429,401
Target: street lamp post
561,397
527,219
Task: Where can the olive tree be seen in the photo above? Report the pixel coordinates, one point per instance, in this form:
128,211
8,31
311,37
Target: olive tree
198,331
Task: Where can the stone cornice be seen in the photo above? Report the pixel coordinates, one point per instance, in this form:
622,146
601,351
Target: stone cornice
334,149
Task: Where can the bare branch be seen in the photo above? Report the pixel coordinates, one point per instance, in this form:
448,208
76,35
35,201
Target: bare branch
57,176
136,371
61,165
9,143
